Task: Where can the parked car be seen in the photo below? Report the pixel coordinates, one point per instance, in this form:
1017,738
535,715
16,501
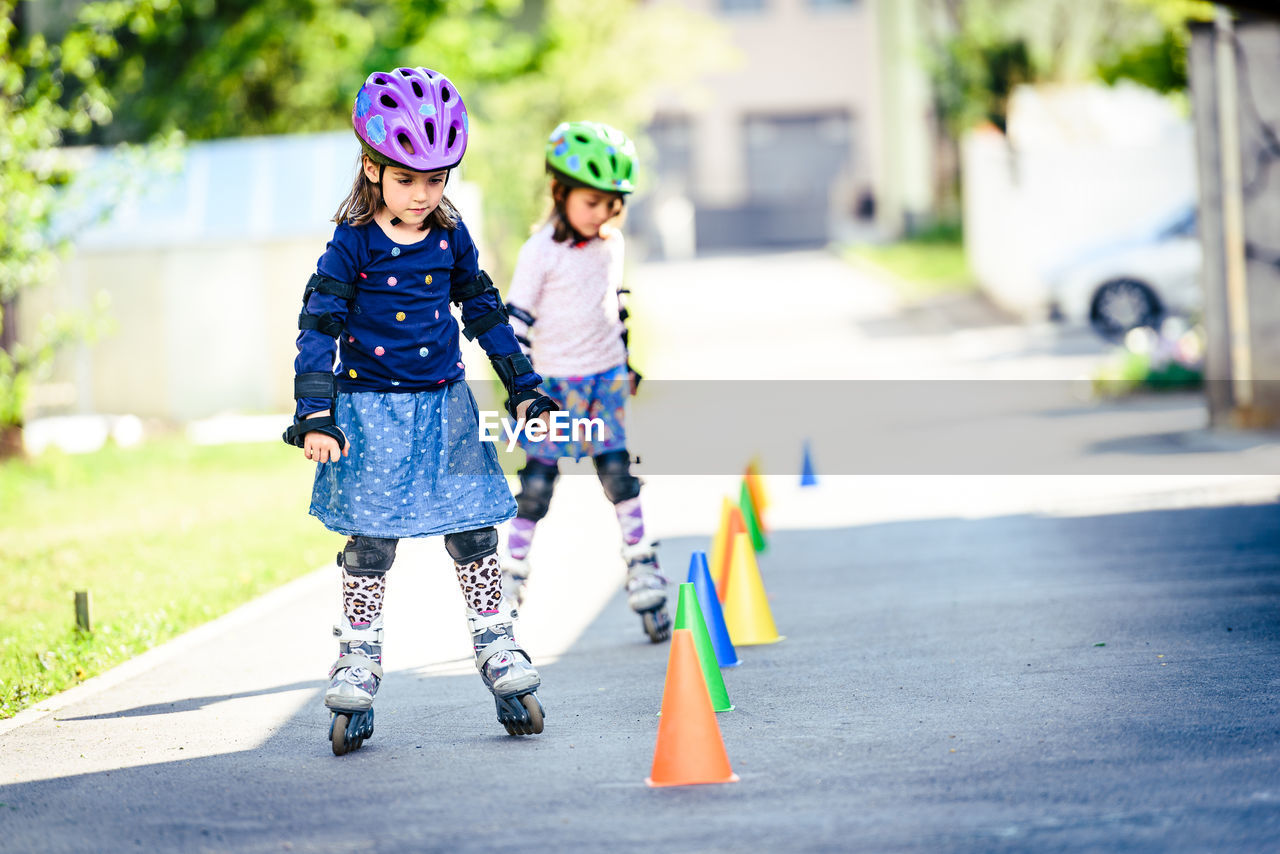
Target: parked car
1132,283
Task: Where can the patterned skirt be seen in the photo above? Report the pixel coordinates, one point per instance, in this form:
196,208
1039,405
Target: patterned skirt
602,397
417,467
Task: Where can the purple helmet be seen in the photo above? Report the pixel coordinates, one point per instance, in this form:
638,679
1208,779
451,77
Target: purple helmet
411,117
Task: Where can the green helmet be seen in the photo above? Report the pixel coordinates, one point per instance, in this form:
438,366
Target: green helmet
591,154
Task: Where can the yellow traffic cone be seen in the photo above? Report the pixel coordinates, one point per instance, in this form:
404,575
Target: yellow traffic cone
746,608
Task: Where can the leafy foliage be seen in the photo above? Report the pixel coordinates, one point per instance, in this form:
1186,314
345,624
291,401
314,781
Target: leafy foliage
232,68
981,49
49,88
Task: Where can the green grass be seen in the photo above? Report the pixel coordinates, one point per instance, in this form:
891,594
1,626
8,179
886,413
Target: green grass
929,263
165,537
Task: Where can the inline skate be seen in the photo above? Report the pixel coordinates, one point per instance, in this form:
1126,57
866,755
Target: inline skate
515,577
647,590
353,683
507,670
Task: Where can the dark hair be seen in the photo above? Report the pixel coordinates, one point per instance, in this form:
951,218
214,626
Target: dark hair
365,198
561,230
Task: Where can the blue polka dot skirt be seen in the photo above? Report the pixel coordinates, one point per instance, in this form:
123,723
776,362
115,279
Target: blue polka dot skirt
417,467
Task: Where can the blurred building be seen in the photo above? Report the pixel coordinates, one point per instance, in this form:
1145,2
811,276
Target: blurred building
821,131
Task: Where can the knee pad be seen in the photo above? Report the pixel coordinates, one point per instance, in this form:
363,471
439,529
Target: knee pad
367,555
614,470
469,546
537,483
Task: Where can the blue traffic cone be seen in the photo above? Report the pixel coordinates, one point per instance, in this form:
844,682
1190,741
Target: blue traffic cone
700,578
807,477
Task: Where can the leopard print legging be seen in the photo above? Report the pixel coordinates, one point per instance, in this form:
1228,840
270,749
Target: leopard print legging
481,582
362,596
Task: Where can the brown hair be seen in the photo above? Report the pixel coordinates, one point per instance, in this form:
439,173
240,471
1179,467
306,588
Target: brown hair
365,198
561,230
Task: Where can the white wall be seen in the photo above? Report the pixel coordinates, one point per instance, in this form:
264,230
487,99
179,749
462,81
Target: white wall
1079,167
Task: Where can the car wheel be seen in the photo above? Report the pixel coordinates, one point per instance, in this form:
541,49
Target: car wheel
1124,304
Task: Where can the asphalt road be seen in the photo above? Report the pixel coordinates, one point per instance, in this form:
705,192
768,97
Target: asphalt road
970,664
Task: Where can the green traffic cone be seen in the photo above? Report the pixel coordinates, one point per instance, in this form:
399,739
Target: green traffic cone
689,616
749,516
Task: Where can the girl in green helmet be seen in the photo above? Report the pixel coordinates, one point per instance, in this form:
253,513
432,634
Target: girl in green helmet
566,272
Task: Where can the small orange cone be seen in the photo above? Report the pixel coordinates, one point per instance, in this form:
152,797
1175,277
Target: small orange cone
720,562
690,749
746,608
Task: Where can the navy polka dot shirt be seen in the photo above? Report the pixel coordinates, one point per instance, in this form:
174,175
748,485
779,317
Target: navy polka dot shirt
398,333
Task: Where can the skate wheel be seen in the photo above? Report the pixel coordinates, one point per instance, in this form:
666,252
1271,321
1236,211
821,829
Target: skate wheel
657,625
338,734
534,708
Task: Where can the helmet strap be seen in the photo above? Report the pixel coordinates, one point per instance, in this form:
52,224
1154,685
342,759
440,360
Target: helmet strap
382,171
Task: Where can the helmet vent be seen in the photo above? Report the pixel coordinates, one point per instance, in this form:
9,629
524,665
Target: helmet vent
430,127
613,163
404,72
595,170
417,88
380,80
445,94
582,139
388,101
405,142
453,135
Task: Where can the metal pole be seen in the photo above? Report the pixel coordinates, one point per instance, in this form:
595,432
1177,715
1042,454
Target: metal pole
1233,213
84,619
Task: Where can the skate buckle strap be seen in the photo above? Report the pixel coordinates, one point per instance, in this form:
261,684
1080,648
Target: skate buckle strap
505,615
497,645
356,659
347,634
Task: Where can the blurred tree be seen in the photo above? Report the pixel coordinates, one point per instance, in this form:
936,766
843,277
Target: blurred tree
978,51
1160,60
241,67
606,60
48,88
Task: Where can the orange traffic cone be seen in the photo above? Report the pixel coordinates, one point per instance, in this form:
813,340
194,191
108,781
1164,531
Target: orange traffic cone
690,749
732,524
746,608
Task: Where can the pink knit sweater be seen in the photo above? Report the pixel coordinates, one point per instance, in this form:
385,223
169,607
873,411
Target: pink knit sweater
572,292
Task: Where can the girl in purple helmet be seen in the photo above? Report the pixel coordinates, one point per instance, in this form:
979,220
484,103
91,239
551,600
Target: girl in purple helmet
382,405
565,304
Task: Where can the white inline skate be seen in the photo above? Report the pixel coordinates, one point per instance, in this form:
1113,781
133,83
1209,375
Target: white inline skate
354,680
647,590
506,669
515,577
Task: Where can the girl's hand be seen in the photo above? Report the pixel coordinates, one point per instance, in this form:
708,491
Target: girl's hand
320,448
523,407
634,376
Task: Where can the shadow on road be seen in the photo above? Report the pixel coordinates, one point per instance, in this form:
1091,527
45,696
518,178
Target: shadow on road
193,703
